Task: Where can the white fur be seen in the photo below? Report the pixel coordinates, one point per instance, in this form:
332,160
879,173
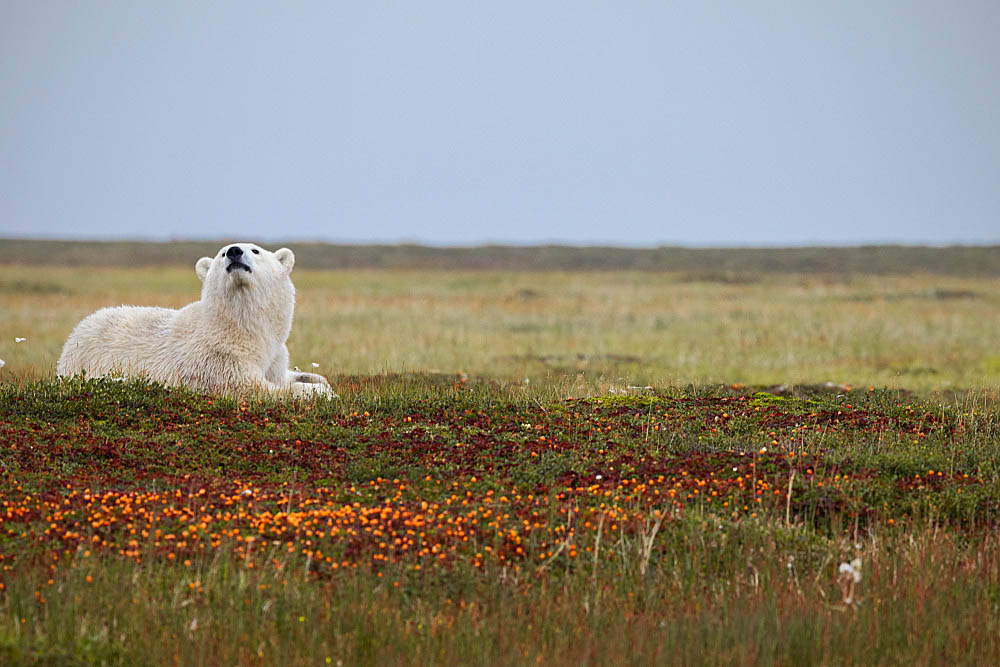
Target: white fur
232,340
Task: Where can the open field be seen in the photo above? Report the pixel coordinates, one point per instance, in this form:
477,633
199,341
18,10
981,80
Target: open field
721,465
585,329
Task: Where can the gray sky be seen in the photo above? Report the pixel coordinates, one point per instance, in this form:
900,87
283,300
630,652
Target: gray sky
625,122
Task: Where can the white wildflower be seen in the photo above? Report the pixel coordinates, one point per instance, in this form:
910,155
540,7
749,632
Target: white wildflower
848,577
315,365
18,339
851,570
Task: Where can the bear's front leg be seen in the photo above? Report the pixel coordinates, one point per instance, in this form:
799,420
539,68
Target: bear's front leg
309,389
277,371
309,378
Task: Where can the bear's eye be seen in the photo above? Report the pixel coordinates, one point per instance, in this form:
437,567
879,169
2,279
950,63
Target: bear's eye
255,251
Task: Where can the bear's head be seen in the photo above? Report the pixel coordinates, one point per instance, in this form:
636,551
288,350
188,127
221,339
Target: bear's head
246,275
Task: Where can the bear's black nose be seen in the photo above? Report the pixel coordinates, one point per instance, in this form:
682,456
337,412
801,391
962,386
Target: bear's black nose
234,252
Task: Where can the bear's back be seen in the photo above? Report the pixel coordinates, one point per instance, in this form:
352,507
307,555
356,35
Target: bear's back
125,339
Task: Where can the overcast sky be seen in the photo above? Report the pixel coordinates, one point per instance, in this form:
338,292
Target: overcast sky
634,123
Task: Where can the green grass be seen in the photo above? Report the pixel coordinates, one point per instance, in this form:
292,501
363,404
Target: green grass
712,602
700,525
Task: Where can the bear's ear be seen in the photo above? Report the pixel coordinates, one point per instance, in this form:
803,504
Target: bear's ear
202,267
286,258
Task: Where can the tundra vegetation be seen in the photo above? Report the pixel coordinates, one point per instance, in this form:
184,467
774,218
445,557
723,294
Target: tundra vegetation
572,467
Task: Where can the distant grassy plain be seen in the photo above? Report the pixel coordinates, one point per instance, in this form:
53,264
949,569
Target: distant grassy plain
899,317
676,483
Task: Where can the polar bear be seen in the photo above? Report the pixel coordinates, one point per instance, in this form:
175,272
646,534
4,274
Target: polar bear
232,340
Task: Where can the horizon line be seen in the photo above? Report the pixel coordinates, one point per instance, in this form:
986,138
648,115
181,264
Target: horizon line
545,243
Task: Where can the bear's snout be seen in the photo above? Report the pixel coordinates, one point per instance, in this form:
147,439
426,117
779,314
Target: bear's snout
235,256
